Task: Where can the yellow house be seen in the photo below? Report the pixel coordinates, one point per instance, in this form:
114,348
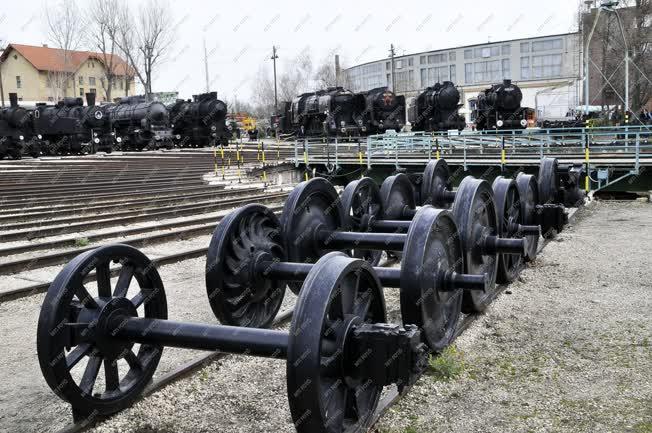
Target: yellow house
43,74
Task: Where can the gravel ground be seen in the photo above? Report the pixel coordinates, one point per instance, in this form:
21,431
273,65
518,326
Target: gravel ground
567,349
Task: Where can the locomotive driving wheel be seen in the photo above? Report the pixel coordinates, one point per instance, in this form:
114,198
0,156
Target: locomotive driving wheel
323,393
360,202
474,210
72,343
238,295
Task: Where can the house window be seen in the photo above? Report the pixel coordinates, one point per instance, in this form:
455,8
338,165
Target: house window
389,79
410,61
422,60
506,50
93,91
388,66
19,82
525,68
452,56
525,47
81,80
91,81
81,92
495,51
468,73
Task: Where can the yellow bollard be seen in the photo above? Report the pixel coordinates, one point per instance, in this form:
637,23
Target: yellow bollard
587,157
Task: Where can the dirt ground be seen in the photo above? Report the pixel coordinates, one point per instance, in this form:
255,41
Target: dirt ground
565,349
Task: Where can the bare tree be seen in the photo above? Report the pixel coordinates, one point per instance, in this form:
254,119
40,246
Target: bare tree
326,73
66,31
146,39
103,32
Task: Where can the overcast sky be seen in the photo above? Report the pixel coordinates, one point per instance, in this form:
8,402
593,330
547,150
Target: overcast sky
240,35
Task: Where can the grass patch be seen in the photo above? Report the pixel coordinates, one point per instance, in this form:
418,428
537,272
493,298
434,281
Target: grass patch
448,365
643,427
82,242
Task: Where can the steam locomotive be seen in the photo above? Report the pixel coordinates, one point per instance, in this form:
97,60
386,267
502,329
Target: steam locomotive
140,123
331,112
384,111
437,109
200,121
16,132
499,107
336,112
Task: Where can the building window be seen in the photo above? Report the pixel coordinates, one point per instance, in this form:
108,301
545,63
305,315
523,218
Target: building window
50,99
452,56
525,68
547,45
507,70
19,82
422,60
121,84
468,73
506,50
389,79
93,91
525,47
453,73
410,80
546,66
91,81
495,51
468,54
81,80
424,78
410,61
388,66
81,92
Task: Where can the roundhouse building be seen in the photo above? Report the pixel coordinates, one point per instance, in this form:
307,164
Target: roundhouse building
547,69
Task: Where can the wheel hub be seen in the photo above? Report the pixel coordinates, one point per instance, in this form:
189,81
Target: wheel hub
104,325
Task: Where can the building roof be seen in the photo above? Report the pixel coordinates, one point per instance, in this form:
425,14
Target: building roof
49,59
405,56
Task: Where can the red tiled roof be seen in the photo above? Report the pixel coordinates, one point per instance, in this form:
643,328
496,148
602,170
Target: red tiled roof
53,59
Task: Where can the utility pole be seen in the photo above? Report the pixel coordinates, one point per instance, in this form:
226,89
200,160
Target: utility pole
206,67
392,53
274,57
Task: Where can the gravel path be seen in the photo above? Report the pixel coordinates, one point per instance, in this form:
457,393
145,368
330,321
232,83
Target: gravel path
567,349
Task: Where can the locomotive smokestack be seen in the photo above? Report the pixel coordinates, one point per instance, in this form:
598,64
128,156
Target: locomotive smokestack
90,99
337,70
13,100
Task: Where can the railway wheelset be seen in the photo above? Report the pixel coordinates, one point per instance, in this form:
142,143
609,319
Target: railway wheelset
340,351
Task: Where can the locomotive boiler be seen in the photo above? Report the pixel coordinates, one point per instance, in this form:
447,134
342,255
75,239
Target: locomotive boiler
16,131
334,112
199,122
437,109
499,107
384,111
140,124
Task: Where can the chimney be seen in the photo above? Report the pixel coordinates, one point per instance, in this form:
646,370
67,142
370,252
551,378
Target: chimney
337,70
90,99
13,99
45,46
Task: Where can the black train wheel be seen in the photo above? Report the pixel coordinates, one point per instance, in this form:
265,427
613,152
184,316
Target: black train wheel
361,200
508,206
436,181
529,194
338,293
474,210
72,350
548,181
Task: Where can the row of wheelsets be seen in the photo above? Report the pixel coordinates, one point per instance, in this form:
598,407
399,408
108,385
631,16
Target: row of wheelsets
454,247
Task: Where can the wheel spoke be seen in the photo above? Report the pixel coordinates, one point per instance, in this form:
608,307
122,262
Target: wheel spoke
111,375
90,374
84,297
138,299
103,275
124,280
133,361
77,354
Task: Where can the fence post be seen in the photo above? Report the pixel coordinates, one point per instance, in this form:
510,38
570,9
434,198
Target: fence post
369,153
296,153
587,156
638,152
464,148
